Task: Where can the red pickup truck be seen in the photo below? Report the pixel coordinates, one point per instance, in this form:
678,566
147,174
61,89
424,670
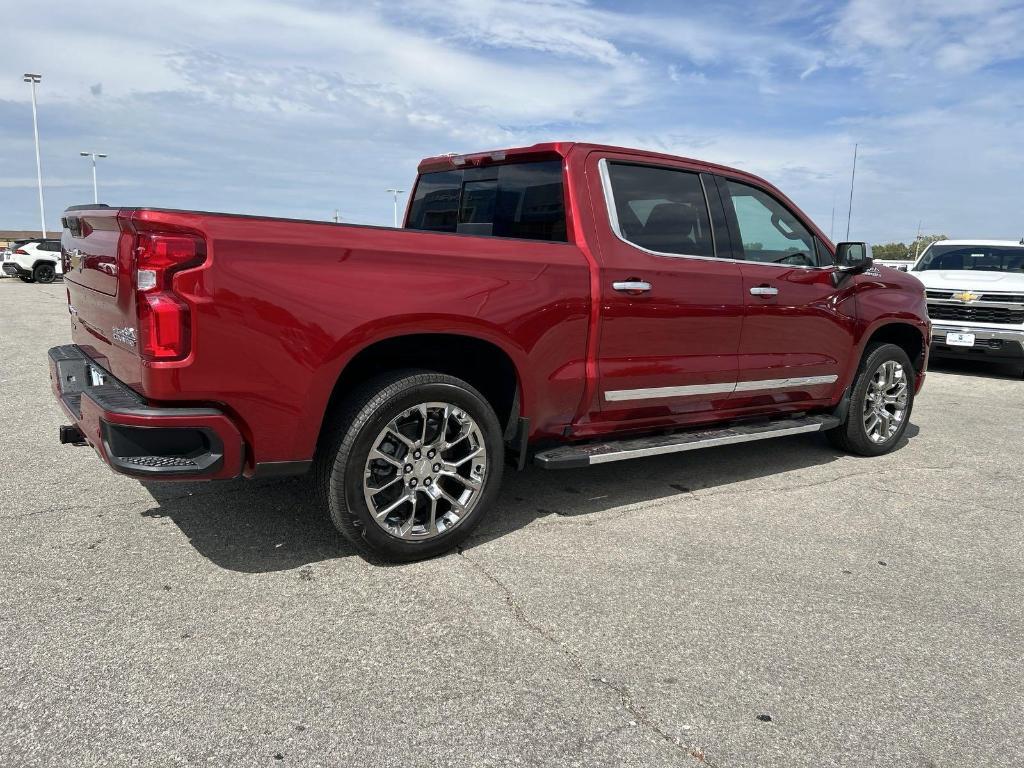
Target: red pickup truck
565,303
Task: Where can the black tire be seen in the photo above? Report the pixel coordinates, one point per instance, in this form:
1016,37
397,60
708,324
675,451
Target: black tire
349,435
851,435
44,273
26,279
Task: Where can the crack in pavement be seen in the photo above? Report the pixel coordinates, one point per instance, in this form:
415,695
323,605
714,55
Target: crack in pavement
971,503
626,700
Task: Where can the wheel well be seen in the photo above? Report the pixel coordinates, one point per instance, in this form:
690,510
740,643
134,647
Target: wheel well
43,261
904,336
480,363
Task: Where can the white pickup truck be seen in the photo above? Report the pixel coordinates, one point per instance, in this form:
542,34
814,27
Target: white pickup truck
975,291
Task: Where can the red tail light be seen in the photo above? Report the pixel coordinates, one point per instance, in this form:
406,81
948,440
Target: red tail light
164,319
22,251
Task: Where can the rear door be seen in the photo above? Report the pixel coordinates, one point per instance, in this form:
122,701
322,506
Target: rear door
798,326
671,310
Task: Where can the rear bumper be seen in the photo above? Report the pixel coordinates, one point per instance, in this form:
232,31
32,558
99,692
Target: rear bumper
13,270
1004,343
135,438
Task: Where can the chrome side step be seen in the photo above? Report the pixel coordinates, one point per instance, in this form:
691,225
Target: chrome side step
585,454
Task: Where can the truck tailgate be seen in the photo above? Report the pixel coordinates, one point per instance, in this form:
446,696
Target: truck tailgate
97,273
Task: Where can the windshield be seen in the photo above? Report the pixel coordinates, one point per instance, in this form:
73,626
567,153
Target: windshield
980,258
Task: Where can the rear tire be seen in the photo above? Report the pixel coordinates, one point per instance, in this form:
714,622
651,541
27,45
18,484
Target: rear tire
44,273
405,418
880,403
26,279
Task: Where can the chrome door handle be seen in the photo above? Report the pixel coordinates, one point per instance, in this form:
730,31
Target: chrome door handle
632,285
764,290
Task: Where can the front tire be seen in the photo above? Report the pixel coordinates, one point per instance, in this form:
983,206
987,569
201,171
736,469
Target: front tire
410,465
880,403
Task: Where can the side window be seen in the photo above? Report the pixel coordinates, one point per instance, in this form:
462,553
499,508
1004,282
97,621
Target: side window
523,200
661,209
769,232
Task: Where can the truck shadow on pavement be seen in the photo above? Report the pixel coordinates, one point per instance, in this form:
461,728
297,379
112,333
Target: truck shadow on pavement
271,525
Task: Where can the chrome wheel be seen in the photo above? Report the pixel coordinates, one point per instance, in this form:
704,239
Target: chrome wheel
425,471
885,404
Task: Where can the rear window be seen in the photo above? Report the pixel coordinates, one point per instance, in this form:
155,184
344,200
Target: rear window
524,200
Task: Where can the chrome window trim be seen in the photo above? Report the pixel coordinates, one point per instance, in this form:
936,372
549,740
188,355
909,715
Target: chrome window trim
721,388
613,214
613,220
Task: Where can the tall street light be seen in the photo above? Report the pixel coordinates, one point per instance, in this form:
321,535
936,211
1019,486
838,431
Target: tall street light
396,193
33,80
95,189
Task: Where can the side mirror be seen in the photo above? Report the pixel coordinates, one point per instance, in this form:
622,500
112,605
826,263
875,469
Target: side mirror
854,257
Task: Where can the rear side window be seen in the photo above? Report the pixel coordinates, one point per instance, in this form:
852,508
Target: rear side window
50,245
661,209
524,200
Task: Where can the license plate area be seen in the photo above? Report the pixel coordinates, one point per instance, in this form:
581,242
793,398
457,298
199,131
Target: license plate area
960,339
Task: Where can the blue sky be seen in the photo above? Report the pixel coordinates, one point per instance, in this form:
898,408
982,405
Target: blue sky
298,108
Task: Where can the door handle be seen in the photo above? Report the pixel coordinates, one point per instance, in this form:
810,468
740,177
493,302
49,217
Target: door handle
632,286
764,290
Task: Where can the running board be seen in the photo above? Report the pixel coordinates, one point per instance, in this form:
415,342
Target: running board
585,454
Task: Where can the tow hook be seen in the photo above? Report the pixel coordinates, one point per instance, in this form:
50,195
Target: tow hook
71,435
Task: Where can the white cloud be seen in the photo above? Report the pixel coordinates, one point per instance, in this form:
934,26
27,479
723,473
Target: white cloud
951,35
297,107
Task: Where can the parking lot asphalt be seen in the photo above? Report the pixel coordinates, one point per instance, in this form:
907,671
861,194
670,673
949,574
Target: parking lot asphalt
773,604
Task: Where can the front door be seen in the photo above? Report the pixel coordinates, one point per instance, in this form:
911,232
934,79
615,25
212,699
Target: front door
671,311
798,329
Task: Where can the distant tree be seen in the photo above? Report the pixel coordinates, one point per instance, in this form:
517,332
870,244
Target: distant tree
890,251
917,247
902,251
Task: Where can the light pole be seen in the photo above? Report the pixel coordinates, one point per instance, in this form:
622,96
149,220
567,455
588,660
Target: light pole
95,189
396,193
33,80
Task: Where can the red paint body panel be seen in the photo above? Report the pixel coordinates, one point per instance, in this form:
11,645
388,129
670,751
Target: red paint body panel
279,307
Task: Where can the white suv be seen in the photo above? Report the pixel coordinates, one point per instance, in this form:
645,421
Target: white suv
37,261
975,292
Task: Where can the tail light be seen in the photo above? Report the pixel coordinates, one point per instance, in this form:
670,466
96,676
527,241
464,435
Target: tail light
22,251
164,319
